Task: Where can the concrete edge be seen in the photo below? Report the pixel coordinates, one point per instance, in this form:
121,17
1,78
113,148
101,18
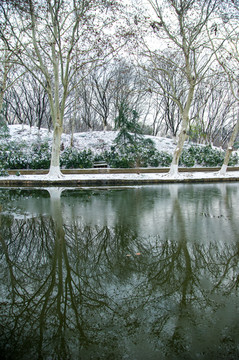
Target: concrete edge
108,182
158,170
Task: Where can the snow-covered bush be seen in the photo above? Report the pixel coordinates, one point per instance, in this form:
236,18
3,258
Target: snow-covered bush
17,155
72,158
205,156
234,159
19,160
211,157
40,155
187,158
3,171
165,159
39,161
13,155
120,158
141,154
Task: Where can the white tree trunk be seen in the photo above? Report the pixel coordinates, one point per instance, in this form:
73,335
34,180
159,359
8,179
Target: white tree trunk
185,121
55,171
223,170
229,149
182,136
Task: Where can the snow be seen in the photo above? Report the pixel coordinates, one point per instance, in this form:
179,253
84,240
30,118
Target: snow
91,140
155,177
103,140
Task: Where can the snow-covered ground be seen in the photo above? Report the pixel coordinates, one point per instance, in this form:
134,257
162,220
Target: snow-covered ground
93,140
100,140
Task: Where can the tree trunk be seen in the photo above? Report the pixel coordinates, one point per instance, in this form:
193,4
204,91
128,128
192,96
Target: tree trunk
55,153
185,121
181,139
1,101
4,79
72,131
229,148
2,90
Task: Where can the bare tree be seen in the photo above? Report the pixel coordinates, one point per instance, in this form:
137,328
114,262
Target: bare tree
53,31
28,103
9,75
102,91
169,110
180,25
213,111
129,87
103,94
225,45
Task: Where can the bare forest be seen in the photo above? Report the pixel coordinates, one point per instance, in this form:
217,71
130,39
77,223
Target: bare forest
157,67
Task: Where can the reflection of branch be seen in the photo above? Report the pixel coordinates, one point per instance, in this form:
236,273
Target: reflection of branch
227,266
46,297
10,266
80,281
68,284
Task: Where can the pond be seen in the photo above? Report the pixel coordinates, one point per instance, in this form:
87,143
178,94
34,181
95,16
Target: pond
147,272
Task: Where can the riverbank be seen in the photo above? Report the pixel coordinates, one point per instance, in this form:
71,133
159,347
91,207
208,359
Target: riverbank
111,177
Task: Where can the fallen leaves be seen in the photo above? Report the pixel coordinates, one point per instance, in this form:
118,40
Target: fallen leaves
137,254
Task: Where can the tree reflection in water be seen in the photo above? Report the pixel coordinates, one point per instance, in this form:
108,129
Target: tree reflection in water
74,289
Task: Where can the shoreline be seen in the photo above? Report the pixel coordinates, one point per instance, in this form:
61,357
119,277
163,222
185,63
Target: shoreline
115,177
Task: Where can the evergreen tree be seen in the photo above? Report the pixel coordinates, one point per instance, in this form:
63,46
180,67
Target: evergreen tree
127,122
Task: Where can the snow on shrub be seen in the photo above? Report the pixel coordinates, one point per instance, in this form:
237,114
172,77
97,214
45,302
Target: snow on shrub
71,158
19,155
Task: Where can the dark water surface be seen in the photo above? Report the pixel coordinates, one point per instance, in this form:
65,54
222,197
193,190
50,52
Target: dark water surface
120,273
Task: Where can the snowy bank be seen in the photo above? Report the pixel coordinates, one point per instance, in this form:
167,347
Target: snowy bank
91,140
98,141
116,179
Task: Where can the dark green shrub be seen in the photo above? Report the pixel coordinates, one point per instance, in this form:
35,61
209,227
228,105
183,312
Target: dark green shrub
3,171
165,159
19,156
99,157
211,157
40,155
40,161
121,161
154,160
40,147
14,155
146,154
203,155
187,158
121,158
139,154
71,158
18,160
234,159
